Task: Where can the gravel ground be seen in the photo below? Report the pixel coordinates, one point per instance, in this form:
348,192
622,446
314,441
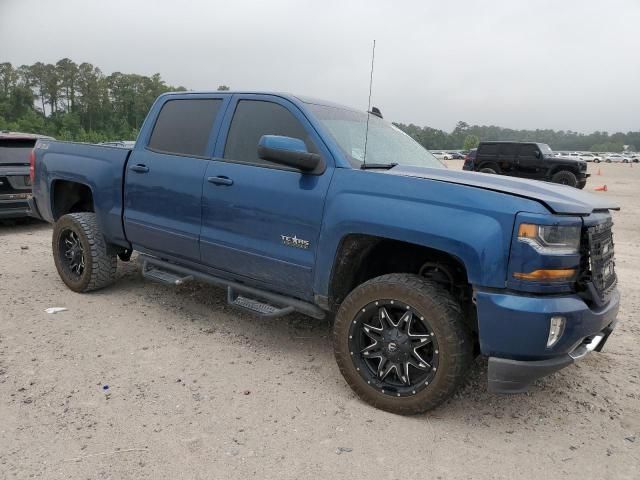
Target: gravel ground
147,381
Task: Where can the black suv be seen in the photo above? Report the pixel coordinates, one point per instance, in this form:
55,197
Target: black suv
528,160
15,184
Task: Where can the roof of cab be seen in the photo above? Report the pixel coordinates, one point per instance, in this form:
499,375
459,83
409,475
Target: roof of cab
289,96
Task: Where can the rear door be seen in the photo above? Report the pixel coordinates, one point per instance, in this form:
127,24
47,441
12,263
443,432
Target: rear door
487,156
163,181
262,220
507,157
529,161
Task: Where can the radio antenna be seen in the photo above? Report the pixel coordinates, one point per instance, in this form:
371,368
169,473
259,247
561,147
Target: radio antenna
366,133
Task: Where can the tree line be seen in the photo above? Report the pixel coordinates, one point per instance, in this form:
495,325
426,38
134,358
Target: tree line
73,101
468,136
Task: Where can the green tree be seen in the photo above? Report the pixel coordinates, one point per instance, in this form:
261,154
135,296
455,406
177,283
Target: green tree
67,72
470,141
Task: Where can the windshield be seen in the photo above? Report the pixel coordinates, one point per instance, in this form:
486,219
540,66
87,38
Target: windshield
545,149
385,143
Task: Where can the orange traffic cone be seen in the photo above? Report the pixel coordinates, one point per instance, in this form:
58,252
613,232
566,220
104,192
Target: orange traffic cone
601,188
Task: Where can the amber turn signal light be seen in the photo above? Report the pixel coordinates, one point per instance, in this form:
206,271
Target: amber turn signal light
526,230
565,274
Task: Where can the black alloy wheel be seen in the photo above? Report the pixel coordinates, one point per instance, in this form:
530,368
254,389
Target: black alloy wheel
83,258
72,253
394,348
401,342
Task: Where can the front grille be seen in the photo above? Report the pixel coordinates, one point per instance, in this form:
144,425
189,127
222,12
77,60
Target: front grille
598,262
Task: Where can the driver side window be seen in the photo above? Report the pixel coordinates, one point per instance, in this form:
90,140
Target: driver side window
254,118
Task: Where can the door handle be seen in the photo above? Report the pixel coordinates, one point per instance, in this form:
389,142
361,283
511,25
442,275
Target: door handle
220,180
140,168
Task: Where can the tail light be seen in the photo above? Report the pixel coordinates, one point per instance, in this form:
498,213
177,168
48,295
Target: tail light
32,165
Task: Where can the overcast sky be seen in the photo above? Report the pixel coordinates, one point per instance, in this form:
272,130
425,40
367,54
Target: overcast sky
570,64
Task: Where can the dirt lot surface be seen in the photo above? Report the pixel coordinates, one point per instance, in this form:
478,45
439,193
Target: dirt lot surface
146,381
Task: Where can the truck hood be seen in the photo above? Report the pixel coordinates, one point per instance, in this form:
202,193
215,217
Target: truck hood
559,199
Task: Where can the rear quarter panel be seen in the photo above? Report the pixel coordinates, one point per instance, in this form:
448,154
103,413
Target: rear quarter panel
98,167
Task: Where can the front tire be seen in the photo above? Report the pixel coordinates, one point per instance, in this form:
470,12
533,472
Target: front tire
401,343
83,258
565,177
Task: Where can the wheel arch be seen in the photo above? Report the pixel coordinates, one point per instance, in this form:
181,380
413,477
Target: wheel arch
360,257
70,197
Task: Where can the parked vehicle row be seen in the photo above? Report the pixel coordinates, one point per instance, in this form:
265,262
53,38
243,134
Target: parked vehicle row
448,155
597,157
422,267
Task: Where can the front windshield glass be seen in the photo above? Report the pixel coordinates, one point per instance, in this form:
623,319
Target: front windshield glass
545,149
385,144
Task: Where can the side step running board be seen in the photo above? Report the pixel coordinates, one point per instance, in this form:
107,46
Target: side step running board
162,271
164,276
255,306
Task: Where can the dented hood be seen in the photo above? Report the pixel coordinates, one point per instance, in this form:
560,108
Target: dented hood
560,199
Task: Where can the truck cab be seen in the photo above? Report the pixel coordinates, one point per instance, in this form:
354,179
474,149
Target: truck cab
298,204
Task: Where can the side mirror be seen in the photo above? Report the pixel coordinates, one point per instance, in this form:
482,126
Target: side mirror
291,152
538,154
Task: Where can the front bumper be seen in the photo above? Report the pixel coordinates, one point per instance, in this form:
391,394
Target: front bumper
515,376
514,330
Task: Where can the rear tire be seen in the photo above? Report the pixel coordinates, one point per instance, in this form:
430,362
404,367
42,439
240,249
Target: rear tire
492,169
565,177
436,325
83,258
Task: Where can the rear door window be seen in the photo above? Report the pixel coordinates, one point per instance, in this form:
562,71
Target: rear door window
184,126
508,150
488,149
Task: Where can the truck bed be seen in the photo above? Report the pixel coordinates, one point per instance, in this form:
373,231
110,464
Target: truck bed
99,167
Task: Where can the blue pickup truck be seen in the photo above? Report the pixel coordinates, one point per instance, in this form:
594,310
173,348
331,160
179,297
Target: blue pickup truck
296,204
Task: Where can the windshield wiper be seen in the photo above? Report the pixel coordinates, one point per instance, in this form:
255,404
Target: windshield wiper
380,166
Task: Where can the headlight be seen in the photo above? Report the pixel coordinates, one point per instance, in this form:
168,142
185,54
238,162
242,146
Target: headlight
551,239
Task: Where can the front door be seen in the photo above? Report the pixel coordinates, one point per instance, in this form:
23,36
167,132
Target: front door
163,181
262,220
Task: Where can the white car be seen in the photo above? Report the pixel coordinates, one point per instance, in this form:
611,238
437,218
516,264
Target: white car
441,155
589,157
616,158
